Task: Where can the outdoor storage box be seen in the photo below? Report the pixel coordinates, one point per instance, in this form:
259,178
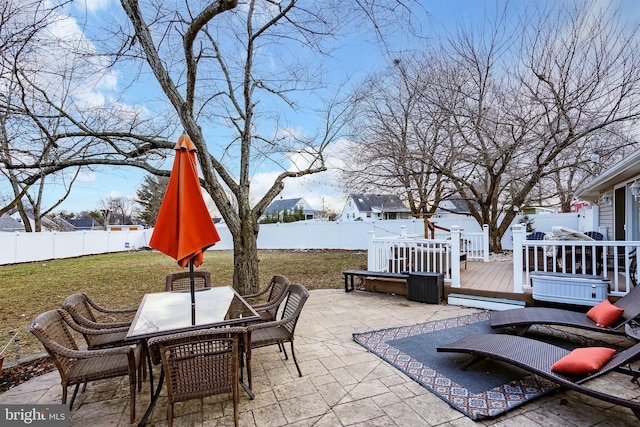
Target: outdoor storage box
425,287
579,289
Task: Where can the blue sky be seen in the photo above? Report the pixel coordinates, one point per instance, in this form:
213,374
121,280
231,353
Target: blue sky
356,57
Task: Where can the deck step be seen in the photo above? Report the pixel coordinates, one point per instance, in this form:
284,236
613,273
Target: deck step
484,302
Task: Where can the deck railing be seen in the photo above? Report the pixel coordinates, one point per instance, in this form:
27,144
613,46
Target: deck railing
615,260
409,253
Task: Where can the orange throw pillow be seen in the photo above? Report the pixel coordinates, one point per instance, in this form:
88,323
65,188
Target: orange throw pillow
605,314
583,361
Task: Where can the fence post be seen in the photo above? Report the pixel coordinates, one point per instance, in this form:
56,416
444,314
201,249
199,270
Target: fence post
518,236
455,256
371,251
485,243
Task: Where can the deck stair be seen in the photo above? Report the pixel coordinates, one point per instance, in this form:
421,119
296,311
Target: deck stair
487,303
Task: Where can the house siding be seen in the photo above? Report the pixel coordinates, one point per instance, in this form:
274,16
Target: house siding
606,220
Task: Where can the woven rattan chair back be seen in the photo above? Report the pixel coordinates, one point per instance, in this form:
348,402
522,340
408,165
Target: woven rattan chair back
298,295
182,281
79,367
88,313
52,331
275,293
200,364
277,332
536,235
594,235
78,306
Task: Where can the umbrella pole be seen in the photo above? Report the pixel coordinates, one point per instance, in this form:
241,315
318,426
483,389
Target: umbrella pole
192,283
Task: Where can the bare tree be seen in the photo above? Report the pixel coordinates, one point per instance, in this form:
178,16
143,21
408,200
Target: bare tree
50,129
117,210
226,72
398,136
528,104
228,75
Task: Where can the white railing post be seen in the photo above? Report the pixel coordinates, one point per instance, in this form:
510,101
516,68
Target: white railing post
518,236
485,243
455,256
371,251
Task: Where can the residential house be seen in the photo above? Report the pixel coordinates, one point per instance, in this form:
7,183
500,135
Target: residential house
280,206
454,205
46,223
64,224
372,207
615,194
9,224
535,210
86,224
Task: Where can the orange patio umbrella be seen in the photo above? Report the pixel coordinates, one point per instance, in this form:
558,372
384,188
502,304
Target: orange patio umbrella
184,228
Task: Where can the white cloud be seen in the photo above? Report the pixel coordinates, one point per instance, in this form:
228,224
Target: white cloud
93,6
321,190
85,177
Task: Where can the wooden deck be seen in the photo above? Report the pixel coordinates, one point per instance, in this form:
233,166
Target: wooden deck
492,279
489,279
486,279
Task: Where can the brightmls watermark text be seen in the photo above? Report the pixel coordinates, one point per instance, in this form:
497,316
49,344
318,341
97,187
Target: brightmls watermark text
56,415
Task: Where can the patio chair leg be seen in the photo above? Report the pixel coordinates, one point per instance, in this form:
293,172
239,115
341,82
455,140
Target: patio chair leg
284,350
64,393
75,392
294,359
170,414
132,398
248,360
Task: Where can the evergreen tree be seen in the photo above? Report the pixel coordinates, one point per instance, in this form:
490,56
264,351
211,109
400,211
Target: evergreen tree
150,196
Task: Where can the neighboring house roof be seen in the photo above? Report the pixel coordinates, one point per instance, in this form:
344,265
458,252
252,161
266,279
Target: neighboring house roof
9,224
456,205
619,172
85,224
64,224
282,205
379,203
46,223
289,205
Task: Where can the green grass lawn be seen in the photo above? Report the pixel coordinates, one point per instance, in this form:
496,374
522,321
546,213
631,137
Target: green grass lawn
121,280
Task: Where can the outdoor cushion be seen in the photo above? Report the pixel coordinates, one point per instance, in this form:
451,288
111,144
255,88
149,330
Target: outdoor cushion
605,314
583,361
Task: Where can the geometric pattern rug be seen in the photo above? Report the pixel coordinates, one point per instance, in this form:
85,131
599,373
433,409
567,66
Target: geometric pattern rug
481,391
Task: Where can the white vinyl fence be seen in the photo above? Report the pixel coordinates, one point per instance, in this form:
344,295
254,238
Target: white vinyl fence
27,247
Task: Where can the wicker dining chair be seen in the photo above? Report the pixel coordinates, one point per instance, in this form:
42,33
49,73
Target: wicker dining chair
97,338
78,367
87,313
200,363
275,293
277,332
182,281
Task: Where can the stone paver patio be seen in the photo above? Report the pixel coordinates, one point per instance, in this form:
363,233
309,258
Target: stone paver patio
342,383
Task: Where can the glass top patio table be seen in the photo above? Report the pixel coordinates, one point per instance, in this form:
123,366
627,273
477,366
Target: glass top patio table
165,313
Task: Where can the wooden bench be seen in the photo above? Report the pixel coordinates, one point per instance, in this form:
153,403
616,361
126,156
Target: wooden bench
366,273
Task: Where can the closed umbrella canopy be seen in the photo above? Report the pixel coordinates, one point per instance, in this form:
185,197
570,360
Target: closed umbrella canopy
184,228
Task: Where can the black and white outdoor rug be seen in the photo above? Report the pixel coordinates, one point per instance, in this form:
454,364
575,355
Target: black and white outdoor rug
483,390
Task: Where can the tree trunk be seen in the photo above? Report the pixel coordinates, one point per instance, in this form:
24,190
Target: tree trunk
245,258
495,240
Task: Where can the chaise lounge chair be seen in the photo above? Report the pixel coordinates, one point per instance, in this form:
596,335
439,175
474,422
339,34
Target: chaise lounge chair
538,357
521,319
